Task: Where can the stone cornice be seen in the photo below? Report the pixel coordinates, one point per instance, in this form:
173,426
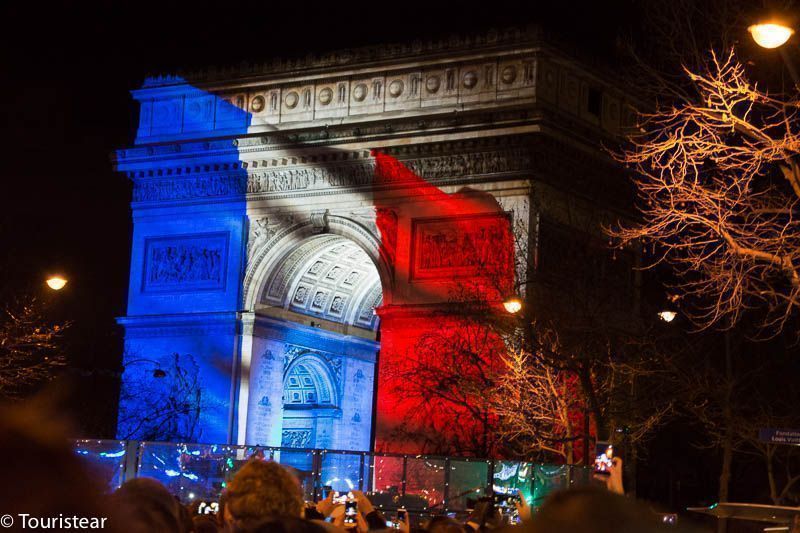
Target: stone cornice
270,328
312,142
351,58
179,324
482,76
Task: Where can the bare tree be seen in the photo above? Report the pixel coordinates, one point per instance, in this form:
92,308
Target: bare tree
718,195
537,406
448,376
162,403
781,462
31,350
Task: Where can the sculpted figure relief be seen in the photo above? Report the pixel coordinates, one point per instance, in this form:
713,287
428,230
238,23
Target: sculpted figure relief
176,264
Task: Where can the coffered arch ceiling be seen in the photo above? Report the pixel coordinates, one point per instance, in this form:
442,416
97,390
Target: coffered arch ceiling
326,276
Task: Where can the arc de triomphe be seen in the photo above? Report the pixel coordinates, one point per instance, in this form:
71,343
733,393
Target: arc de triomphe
263,244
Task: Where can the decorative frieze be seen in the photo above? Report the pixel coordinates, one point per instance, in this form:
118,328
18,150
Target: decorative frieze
334,175
464,246
296,438
184,188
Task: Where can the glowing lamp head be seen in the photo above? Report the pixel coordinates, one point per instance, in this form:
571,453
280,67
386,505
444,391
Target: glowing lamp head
56,283
513,305
770,34
667,316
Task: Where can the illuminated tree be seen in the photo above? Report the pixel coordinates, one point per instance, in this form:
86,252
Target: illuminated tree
718,194
543,405
31,347
537,406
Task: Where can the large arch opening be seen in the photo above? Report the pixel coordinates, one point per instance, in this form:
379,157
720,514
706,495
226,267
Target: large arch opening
315,347
328,277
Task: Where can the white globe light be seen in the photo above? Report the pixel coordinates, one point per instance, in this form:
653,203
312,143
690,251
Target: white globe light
770,35
513,305
667,316
56,283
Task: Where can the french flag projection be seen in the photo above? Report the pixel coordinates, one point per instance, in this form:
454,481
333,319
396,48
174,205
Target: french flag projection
437,349
230,229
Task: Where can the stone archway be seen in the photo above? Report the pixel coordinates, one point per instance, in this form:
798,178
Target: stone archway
272,236
313,344
310,402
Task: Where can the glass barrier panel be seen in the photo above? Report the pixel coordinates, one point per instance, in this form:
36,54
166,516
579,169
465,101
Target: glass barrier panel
190,471
468,479
387,481
302,464
512,476
343,472
105,460
549,478
425,480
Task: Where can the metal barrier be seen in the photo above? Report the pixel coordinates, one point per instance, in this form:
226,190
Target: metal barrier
422,484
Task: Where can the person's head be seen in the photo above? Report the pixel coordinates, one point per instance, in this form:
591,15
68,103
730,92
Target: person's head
204,523
444,524
593,510
41,473
144,504
262,490
283,525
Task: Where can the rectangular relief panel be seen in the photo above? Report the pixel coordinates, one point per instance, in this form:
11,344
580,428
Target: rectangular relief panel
457,247
185,263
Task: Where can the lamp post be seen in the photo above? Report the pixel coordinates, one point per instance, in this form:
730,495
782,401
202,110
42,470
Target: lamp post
774,33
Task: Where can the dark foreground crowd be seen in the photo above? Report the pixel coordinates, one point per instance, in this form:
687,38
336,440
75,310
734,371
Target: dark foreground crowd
45,484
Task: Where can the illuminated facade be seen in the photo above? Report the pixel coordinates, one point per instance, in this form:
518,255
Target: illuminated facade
274,246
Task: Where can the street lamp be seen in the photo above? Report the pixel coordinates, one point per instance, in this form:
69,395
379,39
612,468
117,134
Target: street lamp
774,34
667,316
513,305
770,34
56,282
158,372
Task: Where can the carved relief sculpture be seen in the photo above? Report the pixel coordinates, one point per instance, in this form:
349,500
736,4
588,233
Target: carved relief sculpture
186,263
444,248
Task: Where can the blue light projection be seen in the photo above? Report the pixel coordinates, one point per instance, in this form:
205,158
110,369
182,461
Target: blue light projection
188,362
187,260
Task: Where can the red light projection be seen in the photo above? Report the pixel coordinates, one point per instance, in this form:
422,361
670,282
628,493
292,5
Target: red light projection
448,252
